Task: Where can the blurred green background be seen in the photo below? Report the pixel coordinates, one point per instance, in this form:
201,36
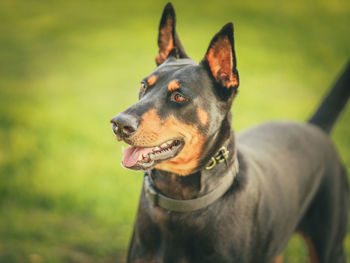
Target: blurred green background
67,67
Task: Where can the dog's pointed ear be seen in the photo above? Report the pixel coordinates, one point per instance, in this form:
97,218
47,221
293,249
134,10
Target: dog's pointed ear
220,58
168,41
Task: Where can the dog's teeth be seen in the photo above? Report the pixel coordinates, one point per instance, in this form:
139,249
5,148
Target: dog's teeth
164,145
152,156
157,148
140,157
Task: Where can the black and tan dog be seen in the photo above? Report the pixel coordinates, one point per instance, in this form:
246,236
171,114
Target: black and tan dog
210,196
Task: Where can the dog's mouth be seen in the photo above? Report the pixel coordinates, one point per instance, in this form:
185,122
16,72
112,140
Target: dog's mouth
142,158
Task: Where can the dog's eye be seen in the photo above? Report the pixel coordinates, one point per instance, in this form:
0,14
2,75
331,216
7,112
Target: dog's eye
143,86
177,97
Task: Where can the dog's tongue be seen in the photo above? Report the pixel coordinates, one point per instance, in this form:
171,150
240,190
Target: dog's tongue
132,154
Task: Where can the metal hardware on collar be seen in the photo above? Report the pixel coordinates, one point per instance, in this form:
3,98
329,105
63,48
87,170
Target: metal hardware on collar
159,200
220,157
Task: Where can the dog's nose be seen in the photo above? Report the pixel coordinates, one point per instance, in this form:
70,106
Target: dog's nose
124,124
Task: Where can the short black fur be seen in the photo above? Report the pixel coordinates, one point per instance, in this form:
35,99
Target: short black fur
290,178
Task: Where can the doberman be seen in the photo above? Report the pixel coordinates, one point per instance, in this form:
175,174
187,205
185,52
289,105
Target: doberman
211,196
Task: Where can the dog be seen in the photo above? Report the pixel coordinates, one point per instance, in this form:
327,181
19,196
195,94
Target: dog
211,196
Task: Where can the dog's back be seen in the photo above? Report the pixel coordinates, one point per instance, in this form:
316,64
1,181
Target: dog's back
299,172
296,171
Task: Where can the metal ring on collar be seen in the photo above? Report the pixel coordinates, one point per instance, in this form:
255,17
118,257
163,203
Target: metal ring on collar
211,164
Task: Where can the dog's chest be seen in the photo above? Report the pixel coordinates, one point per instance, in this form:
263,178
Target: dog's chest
201,237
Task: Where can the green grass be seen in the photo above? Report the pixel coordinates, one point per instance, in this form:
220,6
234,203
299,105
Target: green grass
67,67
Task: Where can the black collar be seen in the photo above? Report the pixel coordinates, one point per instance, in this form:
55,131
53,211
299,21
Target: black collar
158,199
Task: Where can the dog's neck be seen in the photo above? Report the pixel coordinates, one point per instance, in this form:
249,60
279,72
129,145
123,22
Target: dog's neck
201,182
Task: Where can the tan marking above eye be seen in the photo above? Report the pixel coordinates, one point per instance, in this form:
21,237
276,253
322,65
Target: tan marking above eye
202,116
173,85
152,80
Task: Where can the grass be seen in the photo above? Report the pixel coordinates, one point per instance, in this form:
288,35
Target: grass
67,67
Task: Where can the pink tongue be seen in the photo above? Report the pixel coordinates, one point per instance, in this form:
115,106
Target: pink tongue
132,154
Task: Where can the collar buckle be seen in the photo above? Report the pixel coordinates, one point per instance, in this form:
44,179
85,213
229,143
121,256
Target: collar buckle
220,157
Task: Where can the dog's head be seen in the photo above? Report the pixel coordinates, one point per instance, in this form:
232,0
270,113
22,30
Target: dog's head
183,112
